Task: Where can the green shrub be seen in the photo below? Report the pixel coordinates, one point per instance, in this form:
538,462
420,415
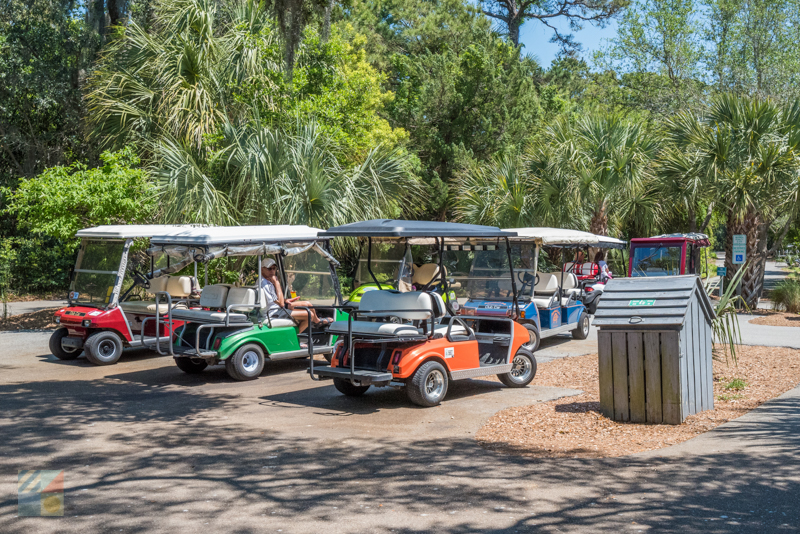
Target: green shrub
786,296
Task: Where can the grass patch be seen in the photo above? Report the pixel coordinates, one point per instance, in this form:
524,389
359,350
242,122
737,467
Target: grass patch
786,296
726,398
735,384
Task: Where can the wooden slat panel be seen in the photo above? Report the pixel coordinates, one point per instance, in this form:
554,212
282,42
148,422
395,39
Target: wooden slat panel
606,374
638,293
620,369
708,358
652,374
614,321
660,303
687,366
697,357
671,378
643,312
636,377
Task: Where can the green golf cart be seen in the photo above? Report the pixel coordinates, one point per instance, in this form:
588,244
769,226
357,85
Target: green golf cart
230,324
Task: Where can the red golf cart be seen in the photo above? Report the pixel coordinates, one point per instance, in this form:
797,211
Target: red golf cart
666,255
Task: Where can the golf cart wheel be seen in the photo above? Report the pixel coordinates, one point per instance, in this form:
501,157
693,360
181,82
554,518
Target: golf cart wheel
523,369
60,352
533,344
246,363
347,388
190,366
428,385
103,348
582,332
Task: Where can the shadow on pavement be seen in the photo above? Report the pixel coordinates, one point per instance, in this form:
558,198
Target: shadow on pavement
181,451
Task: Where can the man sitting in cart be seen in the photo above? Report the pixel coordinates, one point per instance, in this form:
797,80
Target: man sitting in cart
278,306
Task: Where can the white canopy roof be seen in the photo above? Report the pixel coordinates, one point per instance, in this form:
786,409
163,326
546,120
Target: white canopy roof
205,235
563,237
126,231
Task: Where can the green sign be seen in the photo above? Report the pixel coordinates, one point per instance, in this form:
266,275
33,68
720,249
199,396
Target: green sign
648,302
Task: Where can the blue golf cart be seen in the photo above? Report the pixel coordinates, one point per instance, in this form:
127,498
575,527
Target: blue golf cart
547,303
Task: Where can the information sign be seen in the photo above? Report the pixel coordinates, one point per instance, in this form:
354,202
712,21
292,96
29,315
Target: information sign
739,249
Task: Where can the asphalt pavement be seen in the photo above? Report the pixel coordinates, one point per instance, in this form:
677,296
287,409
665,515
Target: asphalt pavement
147,448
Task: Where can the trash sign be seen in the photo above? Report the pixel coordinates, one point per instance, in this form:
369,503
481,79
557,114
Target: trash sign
722,271
739,249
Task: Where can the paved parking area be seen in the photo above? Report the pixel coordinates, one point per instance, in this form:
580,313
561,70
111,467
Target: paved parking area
146,448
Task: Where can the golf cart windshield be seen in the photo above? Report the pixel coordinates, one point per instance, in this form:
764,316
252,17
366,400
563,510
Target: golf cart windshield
96,272
308,276
387,265
488,276
656,261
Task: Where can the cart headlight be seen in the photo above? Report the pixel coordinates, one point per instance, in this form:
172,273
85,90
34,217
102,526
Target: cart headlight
86,323
58,320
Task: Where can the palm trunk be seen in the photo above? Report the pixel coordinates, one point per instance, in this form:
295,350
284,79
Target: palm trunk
752,226
598,226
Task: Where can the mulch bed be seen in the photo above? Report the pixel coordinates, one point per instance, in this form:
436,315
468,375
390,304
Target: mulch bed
573,426
39,320
777,318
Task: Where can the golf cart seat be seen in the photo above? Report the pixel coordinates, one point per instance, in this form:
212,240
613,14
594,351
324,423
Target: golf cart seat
584,271
420,306
546,290
178,287
425,273
220,297
570,288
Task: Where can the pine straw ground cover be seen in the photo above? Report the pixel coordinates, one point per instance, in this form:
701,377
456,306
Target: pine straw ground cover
777,318
39,320
574,427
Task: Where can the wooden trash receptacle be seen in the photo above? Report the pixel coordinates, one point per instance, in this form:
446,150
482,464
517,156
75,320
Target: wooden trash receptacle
654,349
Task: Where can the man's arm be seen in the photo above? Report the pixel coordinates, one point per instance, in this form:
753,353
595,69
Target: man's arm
278,292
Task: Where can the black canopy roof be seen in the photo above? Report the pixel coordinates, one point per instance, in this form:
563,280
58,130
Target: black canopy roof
397,228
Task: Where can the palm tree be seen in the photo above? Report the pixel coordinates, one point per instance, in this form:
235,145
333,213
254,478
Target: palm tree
177,81
683,182
612,164
751,148
266,176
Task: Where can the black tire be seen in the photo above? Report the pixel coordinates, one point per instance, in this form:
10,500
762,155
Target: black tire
428,385
60,352
522,372
328,356
347,388
246,363
582,332
533,333
190,366
103,348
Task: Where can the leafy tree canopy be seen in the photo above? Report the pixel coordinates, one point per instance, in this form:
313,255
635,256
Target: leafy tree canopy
64,199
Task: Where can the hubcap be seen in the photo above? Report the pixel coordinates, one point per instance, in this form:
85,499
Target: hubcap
434,385
250,361
107,349
521,369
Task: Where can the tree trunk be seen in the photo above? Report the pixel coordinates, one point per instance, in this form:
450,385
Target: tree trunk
752,226
513,30
598,226
326,23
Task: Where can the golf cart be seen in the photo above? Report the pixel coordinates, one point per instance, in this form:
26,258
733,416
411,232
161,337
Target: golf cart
230,324
666,255
102,316
387,266
411,338
545,304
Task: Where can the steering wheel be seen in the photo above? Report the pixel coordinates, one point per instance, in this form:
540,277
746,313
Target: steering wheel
525,279
140,279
